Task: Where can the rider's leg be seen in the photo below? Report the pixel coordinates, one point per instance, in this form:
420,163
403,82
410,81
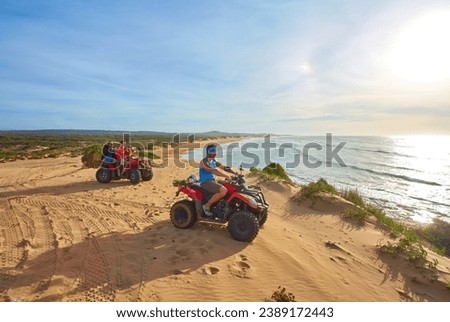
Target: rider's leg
216,197
124,166
117,168
219,192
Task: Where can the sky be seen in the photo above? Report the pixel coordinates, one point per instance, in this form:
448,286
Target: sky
261,66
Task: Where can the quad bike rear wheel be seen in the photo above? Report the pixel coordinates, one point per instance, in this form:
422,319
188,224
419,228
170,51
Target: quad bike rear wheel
243,226
182,214
103,175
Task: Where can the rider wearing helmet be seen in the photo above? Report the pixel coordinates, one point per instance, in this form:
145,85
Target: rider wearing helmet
207,172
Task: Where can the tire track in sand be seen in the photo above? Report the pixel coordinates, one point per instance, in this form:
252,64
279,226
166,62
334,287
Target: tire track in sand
51,225
25,232
78,224
12,250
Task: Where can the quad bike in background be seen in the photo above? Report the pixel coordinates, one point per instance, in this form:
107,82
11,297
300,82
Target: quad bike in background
134,169
244,209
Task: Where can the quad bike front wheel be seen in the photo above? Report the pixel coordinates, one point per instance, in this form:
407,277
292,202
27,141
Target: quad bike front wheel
147,174
263,218
182,214
103,175
243,226
135,176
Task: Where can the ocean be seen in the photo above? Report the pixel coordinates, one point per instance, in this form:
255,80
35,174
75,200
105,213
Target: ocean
407,176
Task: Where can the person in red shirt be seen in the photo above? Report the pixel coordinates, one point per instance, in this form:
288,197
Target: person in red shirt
122,154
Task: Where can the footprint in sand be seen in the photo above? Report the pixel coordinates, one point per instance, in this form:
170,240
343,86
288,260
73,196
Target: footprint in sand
180,271
240,268
211,270
338,259
333,245
243,257
148,213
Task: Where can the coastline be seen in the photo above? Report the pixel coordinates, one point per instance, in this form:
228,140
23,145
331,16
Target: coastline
398,174
174,154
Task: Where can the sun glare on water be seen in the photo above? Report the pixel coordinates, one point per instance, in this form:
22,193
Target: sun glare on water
421,51
427,154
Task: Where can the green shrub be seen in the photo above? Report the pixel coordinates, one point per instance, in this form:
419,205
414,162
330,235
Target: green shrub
359,214
395,227
92,155
354,197
415,253
272,171
313,189
438,235
277,171
411,246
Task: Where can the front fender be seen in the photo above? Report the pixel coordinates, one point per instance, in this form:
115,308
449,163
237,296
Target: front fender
107,165
133,164
242,198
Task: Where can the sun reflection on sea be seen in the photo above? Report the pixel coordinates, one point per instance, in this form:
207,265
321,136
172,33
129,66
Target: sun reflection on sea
426,158
426,151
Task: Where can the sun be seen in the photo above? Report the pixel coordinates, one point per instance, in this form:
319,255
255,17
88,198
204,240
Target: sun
421,50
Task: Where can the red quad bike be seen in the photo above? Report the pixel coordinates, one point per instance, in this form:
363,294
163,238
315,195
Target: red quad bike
134,169
244,208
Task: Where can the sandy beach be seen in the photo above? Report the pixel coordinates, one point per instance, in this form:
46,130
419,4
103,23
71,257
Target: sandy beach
66,237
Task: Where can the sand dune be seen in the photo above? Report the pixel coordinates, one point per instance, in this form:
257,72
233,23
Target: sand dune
65,237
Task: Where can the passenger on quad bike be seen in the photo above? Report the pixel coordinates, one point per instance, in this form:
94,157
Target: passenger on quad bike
123,152
207,172
109,155
108,152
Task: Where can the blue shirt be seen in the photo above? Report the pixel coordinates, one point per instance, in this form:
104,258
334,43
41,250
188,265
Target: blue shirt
205,175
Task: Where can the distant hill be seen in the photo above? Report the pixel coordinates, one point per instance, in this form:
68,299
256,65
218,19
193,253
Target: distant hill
118,133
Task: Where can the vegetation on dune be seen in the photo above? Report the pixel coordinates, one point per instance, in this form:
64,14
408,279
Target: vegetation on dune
271,172
23,146
281,295
353,196
358,214
314,189
92,156
438,235
409,241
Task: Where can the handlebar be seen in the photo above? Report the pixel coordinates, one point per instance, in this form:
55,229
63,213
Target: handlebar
229,170
234,179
